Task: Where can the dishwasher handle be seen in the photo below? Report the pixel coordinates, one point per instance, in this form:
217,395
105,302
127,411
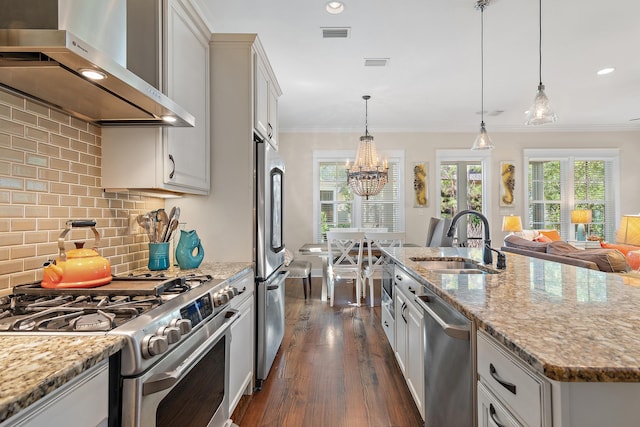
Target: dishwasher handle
454,331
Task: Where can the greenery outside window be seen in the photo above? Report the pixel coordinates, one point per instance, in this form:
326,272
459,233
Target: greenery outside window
335,206
462,185
559,181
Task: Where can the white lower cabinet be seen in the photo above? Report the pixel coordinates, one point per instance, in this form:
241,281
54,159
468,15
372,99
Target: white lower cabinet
491,413
521,393
388,326
242,347
82,402
409,335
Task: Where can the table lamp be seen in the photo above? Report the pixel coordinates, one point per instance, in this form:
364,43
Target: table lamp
629,231
581,217
512,223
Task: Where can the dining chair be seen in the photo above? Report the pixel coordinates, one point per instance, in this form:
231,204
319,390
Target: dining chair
375,260
298,269
437,233
345,259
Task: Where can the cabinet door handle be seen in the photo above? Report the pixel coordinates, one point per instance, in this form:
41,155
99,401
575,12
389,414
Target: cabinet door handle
494,416
386,325
173,170
270,130
509,386
402,312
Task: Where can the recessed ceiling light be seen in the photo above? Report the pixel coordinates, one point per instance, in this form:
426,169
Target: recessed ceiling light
335,7
604,71
169,119
92,74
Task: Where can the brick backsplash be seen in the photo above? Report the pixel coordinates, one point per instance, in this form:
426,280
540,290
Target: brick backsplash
50,172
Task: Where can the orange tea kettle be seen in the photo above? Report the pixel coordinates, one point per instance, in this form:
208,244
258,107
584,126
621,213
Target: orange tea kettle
77,268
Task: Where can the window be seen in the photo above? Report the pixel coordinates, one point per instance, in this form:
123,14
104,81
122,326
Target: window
559,181
461,185
335,206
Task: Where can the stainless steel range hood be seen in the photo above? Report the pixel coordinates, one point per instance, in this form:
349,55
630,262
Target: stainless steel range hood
46,64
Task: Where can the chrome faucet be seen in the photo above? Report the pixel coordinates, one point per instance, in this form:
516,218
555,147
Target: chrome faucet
486,248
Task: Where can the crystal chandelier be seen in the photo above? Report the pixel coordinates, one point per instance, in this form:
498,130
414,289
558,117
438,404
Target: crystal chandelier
367,176
540,112
482,141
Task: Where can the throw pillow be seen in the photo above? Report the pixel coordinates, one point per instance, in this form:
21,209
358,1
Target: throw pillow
552,234
513,241
619,246
542,238
560,248
633,259
609,260
527,234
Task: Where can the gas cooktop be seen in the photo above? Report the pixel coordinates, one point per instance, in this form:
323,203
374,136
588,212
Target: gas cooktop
33,308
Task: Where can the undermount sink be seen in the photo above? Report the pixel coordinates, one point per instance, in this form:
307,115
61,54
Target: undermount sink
448,266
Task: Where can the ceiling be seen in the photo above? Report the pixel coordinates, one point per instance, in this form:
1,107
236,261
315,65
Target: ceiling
432,81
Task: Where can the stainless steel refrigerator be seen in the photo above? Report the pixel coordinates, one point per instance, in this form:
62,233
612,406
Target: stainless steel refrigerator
269,255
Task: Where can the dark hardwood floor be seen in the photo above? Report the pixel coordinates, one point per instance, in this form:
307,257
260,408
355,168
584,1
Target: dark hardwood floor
334,368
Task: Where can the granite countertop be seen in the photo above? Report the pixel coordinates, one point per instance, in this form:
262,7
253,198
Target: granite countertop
567,323
35,365
217,270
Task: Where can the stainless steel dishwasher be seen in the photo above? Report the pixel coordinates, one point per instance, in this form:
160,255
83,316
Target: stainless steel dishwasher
449,364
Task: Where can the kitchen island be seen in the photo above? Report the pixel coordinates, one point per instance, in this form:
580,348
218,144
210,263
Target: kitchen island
36,366
579,329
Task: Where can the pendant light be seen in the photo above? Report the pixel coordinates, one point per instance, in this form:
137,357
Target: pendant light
540,112
367,176
482,142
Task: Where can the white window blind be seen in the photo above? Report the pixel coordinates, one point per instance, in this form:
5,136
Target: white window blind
335,206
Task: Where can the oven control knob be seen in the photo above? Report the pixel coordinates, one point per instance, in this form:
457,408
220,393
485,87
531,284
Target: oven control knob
152,345
183,325
229,291
171,332
220,298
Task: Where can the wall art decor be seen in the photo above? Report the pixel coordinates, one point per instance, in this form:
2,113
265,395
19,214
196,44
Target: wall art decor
420,185
507,183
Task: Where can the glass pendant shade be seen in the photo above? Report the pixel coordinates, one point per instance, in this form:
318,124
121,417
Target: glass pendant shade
482,142
540,112
367,177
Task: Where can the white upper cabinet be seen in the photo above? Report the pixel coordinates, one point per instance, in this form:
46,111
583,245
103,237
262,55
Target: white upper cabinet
169,159
273,115
266,97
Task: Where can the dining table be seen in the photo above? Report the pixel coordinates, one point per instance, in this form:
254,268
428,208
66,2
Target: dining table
321,250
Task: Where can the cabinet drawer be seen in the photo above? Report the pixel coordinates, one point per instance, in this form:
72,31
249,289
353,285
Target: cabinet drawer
519,389
491,413
388,326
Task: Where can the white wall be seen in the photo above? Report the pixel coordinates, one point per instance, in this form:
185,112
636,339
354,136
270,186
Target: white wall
297,150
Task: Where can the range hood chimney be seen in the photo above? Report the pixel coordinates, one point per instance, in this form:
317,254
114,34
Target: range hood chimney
46,45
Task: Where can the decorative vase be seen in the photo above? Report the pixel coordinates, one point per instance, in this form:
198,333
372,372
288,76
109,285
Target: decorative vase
189,251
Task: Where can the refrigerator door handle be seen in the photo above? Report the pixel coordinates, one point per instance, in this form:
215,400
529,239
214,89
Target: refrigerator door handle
276,285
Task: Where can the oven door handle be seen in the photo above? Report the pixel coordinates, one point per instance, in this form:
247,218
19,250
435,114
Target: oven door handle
165,380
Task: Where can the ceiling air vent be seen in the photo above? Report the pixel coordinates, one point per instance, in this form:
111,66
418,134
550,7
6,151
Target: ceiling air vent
336,32
376,62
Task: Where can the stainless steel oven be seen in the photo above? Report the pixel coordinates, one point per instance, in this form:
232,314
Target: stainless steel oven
174,368
188,388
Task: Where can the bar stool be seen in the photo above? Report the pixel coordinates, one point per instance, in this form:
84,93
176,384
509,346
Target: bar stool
300,269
